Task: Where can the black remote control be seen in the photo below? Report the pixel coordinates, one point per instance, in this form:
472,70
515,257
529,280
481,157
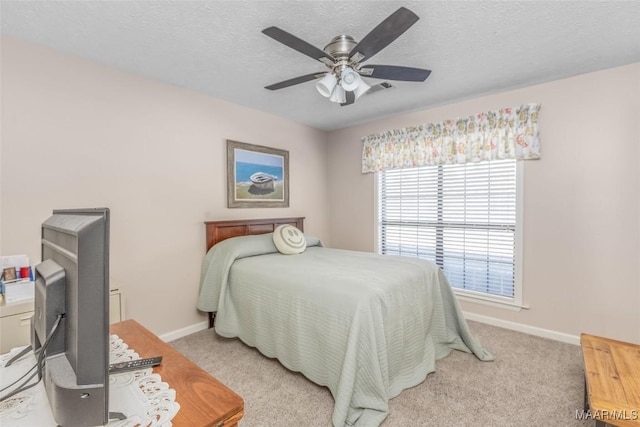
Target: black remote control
132,365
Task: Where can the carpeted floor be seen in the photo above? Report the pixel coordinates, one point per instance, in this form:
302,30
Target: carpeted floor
532,381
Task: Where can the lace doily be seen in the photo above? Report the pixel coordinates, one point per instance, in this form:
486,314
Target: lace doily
140,395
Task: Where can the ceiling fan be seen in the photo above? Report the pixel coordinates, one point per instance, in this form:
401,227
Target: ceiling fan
344,57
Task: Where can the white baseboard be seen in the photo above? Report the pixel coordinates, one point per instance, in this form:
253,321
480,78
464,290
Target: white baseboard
174,335
513,326
519,327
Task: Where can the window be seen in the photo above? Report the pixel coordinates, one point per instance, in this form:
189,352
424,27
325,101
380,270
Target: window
463,217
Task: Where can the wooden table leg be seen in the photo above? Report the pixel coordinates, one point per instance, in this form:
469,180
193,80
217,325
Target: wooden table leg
586,395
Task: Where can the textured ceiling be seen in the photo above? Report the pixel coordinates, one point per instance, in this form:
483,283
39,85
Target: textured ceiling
217,48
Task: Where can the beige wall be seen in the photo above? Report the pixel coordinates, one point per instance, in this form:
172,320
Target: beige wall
155,155
581,201
79,134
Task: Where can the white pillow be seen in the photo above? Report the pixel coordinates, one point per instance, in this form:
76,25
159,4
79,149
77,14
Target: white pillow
289,240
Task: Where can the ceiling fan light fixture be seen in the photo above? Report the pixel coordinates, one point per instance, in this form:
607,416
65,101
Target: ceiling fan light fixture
343,56
350,79
362,88
338,95
327,84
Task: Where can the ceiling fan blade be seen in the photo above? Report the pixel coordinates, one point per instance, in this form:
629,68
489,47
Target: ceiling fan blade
392,72
295,81
382,35
298,44
351,98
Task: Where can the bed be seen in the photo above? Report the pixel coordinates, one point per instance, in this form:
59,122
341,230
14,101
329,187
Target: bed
366,326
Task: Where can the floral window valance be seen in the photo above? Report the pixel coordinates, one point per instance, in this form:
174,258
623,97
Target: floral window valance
509,133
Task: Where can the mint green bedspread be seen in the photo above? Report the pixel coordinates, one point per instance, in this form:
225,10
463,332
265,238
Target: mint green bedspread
366,326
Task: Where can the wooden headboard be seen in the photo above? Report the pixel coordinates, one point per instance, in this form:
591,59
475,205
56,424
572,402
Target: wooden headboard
217,231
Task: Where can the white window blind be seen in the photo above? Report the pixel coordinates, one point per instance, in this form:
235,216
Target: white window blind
460,216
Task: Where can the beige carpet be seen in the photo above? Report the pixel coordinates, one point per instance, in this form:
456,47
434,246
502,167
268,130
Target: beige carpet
533,381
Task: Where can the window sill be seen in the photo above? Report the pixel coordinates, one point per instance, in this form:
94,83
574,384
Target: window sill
492,302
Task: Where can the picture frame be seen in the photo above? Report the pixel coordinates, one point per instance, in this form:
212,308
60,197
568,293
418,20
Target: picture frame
257,176
9,273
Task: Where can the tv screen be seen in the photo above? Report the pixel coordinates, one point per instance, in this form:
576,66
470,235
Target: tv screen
72,285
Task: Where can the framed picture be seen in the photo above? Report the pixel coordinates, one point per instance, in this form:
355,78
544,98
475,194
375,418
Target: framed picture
9,273
257,176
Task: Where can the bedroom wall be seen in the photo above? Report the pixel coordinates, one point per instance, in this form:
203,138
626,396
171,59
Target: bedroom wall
581,202
76,133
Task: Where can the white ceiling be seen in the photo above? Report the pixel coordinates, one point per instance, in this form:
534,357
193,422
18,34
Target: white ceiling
217,48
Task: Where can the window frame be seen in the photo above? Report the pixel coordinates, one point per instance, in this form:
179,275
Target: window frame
511,303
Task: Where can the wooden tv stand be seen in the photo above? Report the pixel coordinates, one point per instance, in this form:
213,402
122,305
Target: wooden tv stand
204,401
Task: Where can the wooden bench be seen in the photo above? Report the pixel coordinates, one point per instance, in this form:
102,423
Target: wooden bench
612,381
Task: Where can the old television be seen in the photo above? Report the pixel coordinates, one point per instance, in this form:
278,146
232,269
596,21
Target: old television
72,282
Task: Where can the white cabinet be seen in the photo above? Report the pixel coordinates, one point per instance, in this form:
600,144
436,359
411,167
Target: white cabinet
15,320
15,324
116,306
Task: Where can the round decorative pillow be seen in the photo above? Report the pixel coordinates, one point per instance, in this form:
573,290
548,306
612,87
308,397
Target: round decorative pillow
289,240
